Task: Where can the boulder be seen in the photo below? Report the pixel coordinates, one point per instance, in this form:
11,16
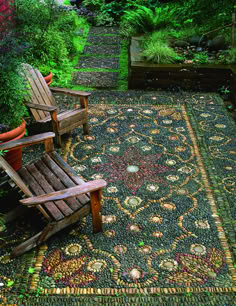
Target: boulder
198,40
217,43
181,43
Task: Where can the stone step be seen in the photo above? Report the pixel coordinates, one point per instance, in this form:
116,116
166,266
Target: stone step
96,79
102,50
98,62
104,30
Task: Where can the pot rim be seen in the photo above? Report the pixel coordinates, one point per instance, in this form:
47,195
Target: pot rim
13,133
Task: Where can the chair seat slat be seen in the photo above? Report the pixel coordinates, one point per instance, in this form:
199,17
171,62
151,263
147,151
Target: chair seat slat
67,181
47,188
32,183
57,185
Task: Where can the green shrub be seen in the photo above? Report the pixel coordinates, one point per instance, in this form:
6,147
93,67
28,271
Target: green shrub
159,52
12,82
66,24
231,56
94,5
103,18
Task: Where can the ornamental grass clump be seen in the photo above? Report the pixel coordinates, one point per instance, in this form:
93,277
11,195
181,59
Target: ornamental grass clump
159,52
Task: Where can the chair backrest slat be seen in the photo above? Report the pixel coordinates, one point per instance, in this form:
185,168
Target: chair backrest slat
40,93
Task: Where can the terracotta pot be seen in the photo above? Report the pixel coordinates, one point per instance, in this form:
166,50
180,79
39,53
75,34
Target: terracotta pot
48,78
14,157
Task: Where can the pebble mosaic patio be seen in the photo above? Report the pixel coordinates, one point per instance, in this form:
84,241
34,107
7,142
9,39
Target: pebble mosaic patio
168,210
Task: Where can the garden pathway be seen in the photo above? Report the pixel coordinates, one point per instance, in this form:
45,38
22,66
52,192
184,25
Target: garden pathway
99,65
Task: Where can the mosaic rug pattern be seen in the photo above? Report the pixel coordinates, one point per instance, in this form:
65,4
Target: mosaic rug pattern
162,208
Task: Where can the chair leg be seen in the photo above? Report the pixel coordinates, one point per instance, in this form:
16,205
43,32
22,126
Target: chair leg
95,199
86,128
58,140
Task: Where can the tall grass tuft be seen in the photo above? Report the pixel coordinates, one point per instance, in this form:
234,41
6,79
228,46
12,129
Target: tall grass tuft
159,52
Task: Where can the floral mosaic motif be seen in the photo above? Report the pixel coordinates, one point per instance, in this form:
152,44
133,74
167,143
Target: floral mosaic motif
120,249
112,189
198,249
133,201
169,264
97,176
69,272
186,170
157,234
80,168
197,269
145,250
146,148
156,219
73,249
93,120
203,224
112,130
144,168
96,160
109,219
96,265
134,274
133,228
152,187
147,111
114,149
133,139
216,138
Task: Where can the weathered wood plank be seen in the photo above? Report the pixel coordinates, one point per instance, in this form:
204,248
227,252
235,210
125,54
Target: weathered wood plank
66,168
70,92
41,107
67,181
71,118
50,206
95,198
67,193
47,188
27,141
56,184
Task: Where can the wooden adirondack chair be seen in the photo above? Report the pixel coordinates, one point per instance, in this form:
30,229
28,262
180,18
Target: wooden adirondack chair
53,187
44,109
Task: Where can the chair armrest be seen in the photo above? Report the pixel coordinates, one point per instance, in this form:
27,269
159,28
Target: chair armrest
70,92
26,141
66,193
46,108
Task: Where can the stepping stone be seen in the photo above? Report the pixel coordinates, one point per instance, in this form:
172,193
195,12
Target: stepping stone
104,30
97,62
96,79
104,40
106,50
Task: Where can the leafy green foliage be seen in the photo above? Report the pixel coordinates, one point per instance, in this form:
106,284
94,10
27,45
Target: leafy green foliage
200,58
145,20
231,56
12,84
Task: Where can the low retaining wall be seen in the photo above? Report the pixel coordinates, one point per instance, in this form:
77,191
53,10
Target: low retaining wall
186,76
